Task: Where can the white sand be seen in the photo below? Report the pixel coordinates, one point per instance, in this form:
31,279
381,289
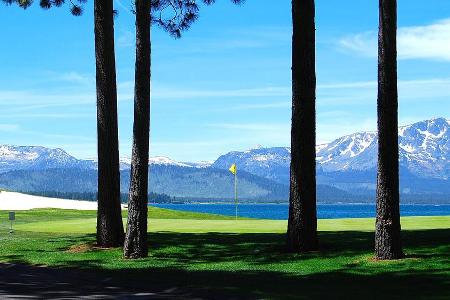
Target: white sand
17,201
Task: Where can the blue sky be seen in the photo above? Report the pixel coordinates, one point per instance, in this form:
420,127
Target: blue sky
225,85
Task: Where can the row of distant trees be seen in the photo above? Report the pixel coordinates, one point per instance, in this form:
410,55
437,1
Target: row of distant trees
92,196
302,224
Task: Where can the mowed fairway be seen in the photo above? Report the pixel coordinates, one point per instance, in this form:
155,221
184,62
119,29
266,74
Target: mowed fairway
242,258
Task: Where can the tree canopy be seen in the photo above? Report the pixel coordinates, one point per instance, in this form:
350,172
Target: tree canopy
75,5
174,16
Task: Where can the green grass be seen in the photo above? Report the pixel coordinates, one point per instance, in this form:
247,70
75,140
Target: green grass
245,256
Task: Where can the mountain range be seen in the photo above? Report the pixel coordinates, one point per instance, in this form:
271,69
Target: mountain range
346,169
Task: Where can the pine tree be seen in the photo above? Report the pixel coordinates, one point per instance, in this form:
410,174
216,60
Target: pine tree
302,223
136,235
110,232
184,13
387,232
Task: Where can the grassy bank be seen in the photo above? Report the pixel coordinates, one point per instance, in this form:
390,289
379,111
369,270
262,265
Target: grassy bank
244,257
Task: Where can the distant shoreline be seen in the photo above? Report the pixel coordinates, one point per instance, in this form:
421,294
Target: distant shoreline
324,211
277,203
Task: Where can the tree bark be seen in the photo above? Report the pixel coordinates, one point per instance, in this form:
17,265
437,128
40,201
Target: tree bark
302,224
136,236
110,231
388,229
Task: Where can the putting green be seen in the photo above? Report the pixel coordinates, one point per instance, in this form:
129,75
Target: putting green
87,225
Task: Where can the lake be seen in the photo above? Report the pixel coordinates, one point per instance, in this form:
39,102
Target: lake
325,211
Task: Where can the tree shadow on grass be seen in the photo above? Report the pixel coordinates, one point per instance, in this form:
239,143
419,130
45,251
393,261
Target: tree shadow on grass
267,248
252,266
174,283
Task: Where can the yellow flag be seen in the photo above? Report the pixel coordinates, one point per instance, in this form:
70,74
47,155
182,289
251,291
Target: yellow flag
233,169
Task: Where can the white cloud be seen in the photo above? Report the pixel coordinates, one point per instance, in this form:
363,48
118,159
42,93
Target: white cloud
329,130
47,116
46,135
246,135
174,93
278,127
362,43
429,90
126,39
75,77
9,127
271,105
341,93
347,85
415,42
233,39
31,100
44,99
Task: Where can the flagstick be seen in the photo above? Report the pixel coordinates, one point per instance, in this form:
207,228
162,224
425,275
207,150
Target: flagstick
235,194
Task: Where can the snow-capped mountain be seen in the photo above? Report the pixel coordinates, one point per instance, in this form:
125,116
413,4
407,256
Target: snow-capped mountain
42,158
424,150
199,165
165,161
36,158
271,163
125,162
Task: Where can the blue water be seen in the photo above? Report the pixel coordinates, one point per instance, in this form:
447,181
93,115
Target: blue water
325,211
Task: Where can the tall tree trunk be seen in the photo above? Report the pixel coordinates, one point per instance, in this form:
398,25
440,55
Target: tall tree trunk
387,234
302,225
110,231
136,236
